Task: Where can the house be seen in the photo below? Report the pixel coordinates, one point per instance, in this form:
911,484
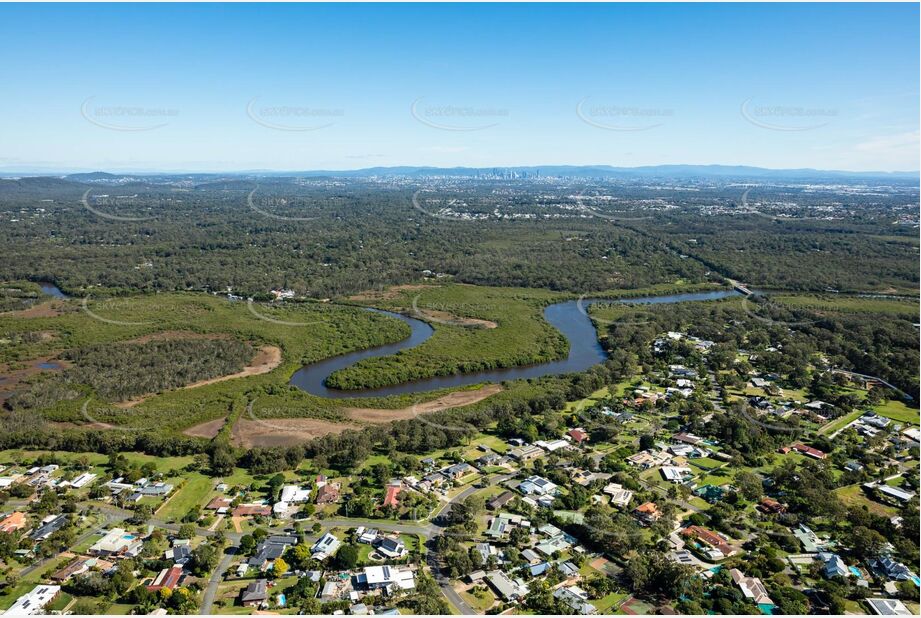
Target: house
155,489
293,494
648,513
501,524
391,548
771,506
82,480
687,450
220,503
390,578
255,594
888,607
435,479
78,566
885,566
557,543
328,493
530,556
880,422
853,466
578,435
458,470
489,459
833,565
34,602
167,578
896,493
576,599
539,486
13,522
568,569
507,589
676,474
810,540
270,550
324,547
367,536
809,451
719,547
751,587
710,493
526,453
49,526
117,542
620,497
586,477
390,496
476,576
501,500
179,554
552,445
252,510
648,459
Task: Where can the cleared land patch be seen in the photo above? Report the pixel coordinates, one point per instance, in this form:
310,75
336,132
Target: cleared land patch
249,433
456,399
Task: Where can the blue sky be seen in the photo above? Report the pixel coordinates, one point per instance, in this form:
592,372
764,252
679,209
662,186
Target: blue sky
287,87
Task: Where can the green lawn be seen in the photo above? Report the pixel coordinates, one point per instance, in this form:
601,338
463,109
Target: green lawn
604,604
840,422
853,495
898,411
482,600
191,495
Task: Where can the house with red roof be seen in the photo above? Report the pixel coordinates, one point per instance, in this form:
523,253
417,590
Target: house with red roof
390,497
168,578
578,435
809,451
720,546
12,522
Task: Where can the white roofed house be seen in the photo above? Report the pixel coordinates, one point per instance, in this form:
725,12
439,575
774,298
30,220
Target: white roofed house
325,546
619,496
676,474
576,599
390,578
553,445
117,542
294,494
539,486
34,602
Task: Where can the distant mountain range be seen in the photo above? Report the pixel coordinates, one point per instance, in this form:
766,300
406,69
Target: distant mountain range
662,172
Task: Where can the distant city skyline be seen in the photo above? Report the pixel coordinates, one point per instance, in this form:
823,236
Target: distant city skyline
239,87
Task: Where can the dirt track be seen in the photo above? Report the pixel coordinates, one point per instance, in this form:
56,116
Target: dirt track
208,429
451,400
250,433
444,317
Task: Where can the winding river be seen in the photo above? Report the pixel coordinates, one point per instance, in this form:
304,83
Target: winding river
567,317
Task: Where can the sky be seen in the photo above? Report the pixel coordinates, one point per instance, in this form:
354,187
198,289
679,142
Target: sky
232,87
